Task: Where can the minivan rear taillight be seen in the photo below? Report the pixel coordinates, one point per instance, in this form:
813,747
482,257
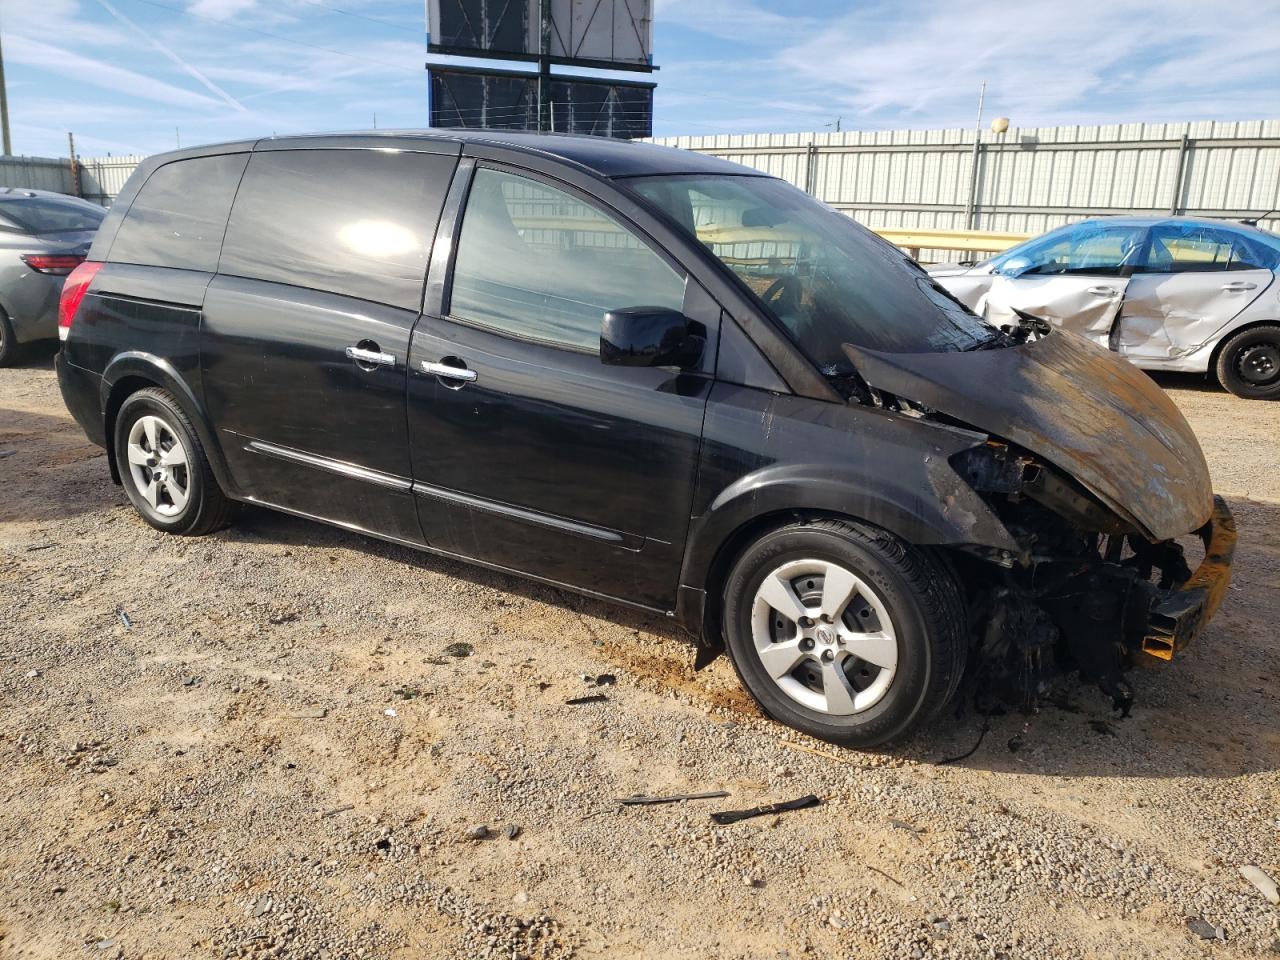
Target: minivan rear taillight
73,291
59,264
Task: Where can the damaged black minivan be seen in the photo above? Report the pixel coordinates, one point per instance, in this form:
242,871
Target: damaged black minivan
654,377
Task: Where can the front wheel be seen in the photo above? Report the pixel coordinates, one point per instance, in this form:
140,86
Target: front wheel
10,349
843,631
1249,363
163,467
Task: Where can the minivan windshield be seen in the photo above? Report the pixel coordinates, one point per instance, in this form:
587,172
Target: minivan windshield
41,215
824,278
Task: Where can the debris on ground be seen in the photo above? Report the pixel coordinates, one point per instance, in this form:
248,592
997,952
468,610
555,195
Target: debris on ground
903,825
459,649
725,817
511,831
1262,880
640,800
337,810
124,618
1205,930
479,832
592,698
389,712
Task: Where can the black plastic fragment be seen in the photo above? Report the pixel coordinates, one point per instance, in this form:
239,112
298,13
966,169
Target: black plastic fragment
733,816
592,698
639,800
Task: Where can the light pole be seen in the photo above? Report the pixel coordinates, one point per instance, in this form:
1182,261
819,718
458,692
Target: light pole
4,109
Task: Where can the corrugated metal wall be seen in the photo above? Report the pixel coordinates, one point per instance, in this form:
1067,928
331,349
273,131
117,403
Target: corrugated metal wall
101,178
1028,180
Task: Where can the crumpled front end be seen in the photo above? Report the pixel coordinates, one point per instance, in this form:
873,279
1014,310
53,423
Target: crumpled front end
1102,485
1086,590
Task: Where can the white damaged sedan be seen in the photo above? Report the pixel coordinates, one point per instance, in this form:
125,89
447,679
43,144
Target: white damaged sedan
1174,293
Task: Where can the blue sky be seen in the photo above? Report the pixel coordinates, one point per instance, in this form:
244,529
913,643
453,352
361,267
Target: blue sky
138,76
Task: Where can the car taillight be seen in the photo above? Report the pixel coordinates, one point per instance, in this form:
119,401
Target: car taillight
59,264
73,291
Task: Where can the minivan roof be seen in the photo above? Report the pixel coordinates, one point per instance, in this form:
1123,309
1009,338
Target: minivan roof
603,156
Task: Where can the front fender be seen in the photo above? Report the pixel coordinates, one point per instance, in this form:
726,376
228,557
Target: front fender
137,364
766,455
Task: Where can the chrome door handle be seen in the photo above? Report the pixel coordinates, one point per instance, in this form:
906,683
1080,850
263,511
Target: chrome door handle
1238,286
375,357
1102,291
448,371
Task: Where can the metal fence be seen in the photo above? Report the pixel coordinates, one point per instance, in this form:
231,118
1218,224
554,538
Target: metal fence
100,178
1022,180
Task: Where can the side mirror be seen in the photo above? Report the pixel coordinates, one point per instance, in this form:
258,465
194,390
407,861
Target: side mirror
1014,267
650,337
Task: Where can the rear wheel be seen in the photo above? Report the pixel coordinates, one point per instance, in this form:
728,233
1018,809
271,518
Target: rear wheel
1249,363
163,466
844,631
9,346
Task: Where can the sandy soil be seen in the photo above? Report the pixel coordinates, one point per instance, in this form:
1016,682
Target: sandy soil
268,743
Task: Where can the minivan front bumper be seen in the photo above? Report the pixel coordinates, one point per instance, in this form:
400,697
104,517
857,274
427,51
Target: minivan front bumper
1179,618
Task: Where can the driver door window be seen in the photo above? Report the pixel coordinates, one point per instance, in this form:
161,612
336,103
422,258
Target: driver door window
1090,249
537,263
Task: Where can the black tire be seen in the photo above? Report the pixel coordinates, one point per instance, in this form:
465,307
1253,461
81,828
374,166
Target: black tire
206,508
10,349
916,589
1249,363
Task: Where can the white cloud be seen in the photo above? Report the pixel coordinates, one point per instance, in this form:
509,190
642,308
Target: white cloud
220,9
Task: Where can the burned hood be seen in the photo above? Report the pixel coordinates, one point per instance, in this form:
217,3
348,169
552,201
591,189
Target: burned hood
1081,408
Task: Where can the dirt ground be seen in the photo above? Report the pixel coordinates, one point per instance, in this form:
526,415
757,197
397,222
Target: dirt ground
279,741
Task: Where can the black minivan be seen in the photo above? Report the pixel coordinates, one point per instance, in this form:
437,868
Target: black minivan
656,378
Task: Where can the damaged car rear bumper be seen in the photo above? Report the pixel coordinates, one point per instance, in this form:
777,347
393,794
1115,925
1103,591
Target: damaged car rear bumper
1179,618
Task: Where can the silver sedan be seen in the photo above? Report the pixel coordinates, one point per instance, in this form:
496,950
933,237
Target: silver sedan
1174,293
43,236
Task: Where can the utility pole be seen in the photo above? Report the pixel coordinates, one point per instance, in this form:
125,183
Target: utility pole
75,165
544,67
971,213
4,109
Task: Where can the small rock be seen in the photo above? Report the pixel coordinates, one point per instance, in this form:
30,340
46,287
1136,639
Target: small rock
389,712
1259,878
520,898
459,649
512,831
33,673
478,832
261,906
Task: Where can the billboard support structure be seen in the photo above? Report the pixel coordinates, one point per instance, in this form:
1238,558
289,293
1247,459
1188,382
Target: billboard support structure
597,34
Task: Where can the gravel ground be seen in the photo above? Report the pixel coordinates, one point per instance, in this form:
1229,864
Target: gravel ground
283,741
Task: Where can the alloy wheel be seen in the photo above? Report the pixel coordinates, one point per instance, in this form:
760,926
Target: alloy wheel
158,465
825,637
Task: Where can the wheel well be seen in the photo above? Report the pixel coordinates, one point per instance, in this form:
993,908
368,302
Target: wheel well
1217,350
731,548
121,390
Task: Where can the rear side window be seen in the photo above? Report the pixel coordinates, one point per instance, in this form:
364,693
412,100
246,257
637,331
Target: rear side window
1194,248
179,215
45,215
354,222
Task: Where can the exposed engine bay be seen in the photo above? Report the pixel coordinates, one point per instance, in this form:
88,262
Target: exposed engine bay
1100,494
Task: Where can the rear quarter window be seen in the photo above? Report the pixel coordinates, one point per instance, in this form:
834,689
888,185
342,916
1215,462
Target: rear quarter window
353,222
180,213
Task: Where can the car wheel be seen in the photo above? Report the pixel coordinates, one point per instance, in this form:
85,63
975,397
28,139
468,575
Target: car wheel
844,631
1249,364
163,466
9,346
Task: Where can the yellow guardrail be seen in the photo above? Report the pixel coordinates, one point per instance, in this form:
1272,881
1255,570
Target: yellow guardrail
915,239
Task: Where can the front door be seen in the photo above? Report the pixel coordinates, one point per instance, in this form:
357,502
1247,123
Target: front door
1194,280
528,452
1074,278
305,334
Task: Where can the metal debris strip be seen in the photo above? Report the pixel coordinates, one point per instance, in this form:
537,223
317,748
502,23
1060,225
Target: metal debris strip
639,800
124,618
725,817
593,698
